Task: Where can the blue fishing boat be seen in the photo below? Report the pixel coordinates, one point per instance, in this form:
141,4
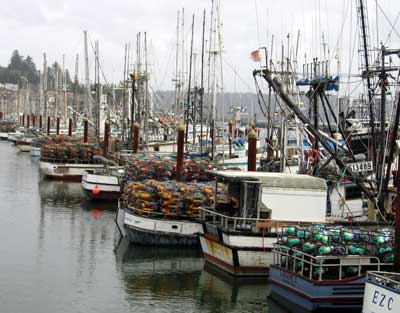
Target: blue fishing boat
320,283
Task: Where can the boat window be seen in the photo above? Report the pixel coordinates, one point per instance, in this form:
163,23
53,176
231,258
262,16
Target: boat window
352,192
174,227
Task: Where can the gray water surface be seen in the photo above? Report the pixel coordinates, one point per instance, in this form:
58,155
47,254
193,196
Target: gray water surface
57,254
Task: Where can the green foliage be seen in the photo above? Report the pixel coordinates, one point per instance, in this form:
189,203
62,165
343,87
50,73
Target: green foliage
18,67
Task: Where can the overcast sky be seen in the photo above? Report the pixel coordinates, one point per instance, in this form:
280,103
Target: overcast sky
56,27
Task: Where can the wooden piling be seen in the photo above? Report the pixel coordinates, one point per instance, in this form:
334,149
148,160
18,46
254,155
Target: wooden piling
179,157
85,130
252,151
106,138
135,145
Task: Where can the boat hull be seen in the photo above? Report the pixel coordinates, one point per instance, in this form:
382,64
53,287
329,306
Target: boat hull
24,147
314,296
109,188
237,261
156,232
65,171
3,136
381,295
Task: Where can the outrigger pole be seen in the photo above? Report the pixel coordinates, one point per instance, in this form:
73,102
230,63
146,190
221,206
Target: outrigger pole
275,84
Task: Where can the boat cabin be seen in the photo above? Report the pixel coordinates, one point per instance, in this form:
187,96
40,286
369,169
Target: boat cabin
273,196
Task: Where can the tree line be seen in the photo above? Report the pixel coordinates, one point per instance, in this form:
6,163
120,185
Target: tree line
20,66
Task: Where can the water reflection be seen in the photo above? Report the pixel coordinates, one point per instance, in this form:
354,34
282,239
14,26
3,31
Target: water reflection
59,256
177,280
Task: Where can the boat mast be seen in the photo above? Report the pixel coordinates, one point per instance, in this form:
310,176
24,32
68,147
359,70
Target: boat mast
202,83
65,91
146,95
56,90
75,104
177,75
44,90
219,26
124,96
366,74
187,106
88,108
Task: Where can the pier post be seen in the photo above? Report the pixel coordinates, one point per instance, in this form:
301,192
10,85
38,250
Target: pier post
252,151
230,138
40,122
48,126
58,126
1,115
27,120
396,251
106,138
23,120
85,130
70,127
179,157
135,138
33,120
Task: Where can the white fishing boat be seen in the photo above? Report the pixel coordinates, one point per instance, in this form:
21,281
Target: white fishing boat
24,144
240,239
382,292
155,230
3,136
62,170
104,183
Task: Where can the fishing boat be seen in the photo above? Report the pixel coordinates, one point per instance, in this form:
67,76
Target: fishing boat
382,292
3,136
162,213
24,144
65,170
104,183
240,239
320,282
156,230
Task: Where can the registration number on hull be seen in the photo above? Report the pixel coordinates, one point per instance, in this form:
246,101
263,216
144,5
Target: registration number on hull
360,167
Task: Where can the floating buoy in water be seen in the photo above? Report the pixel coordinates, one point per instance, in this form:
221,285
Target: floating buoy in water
95,213
96,191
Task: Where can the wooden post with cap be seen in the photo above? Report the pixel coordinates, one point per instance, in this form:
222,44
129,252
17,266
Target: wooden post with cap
106,138
58,126
179,157
230,138
85,130
48,125
40,122
135,145
252,150
70,127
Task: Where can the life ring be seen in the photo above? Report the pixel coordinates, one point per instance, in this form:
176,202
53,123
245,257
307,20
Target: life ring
313,155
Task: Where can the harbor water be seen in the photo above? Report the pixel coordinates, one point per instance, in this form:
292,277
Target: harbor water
59,253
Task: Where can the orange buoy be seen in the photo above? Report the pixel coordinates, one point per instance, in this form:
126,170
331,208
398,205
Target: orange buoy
96,191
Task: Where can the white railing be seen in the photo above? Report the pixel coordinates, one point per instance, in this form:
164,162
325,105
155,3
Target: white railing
286,257
248,223
388,279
